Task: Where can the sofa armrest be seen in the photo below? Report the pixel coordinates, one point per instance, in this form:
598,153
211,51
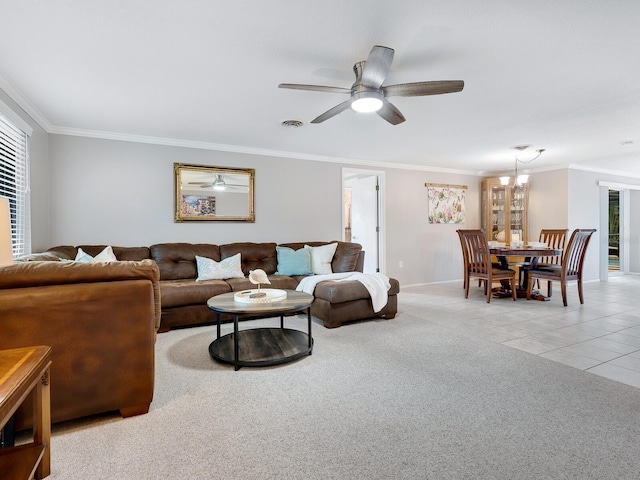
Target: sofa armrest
39,274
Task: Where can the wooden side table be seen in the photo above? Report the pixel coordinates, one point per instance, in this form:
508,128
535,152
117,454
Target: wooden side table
25,371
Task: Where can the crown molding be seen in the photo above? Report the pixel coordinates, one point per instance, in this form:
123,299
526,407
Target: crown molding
17,96
124,137
603,170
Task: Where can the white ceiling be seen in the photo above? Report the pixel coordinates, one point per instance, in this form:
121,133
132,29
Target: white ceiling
563,75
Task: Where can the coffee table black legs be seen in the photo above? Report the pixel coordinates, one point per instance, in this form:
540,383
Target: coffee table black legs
259,347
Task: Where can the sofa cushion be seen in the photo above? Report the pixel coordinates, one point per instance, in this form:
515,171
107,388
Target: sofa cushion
340,292
176,293
69,252
211,270
121,253
321,258
254,255
348,290
345,258
105,255
293,262
178,260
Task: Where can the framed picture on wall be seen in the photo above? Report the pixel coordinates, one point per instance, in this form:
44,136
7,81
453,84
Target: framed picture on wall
206,193
446,203
197,205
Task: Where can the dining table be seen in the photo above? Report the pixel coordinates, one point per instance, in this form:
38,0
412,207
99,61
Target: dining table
531,254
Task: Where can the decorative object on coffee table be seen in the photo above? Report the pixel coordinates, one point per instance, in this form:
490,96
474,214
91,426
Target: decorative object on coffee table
258,295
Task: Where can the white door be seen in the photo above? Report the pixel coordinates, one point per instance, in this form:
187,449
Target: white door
365,215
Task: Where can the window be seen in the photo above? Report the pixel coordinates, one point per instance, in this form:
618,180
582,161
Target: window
14,182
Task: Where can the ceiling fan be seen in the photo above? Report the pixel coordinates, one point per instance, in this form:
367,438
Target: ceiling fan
368,94
220,184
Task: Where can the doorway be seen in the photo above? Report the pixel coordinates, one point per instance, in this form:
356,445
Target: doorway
614,232
363,214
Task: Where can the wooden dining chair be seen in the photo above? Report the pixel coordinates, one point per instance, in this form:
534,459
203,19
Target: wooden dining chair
465,260
554,238
569,268
477,263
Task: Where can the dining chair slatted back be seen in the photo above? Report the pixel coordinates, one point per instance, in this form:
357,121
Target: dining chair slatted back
465,259
570,267
554,238
478,264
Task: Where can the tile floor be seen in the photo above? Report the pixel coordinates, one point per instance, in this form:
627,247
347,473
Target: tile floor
602,336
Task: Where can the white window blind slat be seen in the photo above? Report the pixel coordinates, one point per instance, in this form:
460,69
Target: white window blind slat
14,183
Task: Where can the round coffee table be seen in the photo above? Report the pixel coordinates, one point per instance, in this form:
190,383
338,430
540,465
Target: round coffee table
260,347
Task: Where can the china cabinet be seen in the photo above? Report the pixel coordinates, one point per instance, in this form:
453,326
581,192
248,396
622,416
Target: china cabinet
504,211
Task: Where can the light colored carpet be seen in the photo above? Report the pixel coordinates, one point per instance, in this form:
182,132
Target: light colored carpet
396,399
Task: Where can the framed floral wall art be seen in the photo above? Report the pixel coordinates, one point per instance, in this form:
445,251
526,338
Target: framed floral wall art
446,203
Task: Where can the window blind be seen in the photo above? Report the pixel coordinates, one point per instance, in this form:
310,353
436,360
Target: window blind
14,183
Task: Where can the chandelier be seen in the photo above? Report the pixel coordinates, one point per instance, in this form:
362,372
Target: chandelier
521,179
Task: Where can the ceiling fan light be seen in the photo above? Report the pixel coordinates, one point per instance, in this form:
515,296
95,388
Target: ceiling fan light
366,102
219,183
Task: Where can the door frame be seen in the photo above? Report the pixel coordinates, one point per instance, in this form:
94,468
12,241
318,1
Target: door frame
347,172
625,222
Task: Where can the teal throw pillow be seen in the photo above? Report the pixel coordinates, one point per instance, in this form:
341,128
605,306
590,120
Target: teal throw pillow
293,262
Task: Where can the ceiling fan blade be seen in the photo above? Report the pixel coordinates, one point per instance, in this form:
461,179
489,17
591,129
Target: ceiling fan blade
423,88
377,66
315,88
341,107
390,113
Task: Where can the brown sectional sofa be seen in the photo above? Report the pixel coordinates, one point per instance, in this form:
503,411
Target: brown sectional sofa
184,300
100,320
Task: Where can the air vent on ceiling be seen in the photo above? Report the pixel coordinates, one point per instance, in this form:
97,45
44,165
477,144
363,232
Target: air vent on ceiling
292,123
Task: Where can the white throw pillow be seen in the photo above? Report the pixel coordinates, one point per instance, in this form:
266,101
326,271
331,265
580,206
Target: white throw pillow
83,257
321,258
105,255
209,269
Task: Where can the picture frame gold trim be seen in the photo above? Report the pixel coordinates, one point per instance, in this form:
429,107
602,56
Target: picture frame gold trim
195,200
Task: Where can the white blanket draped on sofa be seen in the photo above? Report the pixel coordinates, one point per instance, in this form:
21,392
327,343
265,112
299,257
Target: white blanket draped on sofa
376,284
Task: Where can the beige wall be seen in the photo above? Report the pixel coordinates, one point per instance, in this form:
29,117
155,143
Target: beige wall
121,193
548,201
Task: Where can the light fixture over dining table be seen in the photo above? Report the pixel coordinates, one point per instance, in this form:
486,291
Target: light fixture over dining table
521,179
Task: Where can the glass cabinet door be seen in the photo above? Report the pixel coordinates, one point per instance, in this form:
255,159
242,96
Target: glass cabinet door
517,215
504,211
